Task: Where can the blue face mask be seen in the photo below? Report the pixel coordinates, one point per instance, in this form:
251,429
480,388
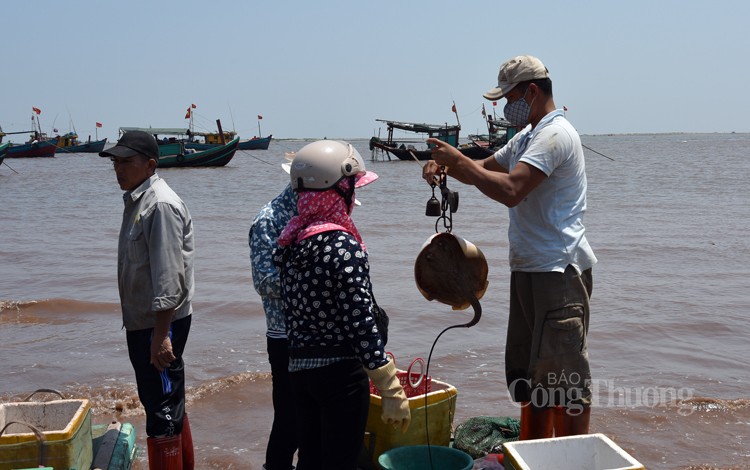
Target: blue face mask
517,112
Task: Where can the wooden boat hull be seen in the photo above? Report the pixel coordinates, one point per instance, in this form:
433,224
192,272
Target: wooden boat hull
261,143
44,148
218,156
258,143
473,152
86,147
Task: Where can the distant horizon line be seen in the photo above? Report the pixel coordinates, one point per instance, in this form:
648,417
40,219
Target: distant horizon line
588,135
364,139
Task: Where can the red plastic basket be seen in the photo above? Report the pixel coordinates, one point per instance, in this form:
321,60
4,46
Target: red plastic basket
414,383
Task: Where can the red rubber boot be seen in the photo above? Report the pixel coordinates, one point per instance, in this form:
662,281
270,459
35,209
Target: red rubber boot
188,458
536,423
164,453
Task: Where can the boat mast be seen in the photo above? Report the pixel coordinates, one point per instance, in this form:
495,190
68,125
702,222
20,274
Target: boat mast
221,132
36,125
72,124
456,113
189,115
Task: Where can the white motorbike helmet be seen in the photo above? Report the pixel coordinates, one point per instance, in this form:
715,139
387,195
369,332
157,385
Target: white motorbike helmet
320,165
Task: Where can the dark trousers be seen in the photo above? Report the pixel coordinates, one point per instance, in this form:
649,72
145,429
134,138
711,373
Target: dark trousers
332,404
282,443
162,394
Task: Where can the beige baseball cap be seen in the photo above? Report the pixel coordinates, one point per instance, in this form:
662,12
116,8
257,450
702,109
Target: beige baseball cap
519,69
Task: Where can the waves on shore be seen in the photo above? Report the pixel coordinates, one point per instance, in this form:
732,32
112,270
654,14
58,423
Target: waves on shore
121,399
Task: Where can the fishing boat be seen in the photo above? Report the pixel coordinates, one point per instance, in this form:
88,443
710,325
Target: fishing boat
69,143
499,132
217,156
38,145
58,433
35,148
209,140
173,152
256,143
213,140
404,149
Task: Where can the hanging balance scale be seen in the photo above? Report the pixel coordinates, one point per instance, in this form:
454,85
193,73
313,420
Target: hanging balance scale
450,269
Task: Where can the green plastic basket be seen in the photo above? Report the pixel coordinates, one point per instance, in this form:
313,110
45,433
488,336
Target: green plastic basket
425,458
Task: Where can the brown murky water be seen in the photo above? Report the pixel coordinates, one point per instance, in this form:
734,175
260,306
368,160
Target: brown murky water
668,220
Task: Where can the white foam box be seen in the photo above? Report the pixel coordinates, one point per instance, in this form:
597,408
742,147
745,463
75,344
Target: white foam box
585,452
64,426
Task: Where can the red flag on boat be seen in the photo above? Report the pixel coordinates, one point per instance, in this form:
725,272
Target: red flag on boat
260,117
36,110
494,103
565,108
98,124
484,113
187,116
453,108
193,106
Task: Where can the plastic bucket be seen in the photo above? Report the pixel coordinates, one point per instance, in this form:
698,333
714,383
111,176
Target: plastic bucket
425,458
431,413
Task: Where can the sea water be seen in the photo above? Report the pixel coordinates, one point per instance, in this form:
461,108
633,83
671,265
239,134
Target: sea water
668,217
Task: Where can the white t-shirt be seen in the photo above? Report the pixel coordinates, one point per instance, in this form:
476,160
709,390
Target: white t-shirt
546,231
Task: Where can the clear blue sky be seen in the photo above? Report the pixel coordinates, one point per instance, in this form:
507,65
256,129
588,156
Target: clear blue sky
330,68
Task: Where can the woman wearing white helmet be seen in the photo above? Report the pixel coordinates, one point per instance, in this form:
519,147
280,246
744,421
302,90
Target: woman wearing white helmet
334,343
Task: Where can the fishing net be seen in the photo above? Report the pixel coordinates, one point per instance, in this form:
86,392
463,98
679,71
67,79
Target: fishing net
482,435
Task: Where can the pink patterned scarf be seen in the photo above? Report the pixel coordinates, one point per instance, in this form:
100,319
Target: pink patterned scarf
319,211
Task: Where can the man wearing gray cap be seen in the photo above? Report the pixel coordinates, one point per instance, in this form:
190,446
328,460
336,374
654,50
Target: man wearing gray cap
540,176
155,280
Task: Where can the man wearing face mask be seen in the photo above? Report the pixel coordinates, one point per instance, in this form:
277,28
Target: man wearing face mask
540,176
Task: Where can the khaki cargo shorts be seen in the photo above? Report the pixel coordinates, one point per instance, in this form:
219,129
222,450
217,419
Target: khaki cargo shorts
546,361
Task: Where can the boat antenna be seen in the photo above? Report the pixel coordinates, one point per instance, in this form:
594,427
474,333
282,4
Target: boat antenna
70,121
53,123
231,115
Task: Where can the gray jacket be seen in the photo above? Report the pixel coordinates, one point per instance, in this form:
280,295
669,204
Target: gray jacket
155,255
